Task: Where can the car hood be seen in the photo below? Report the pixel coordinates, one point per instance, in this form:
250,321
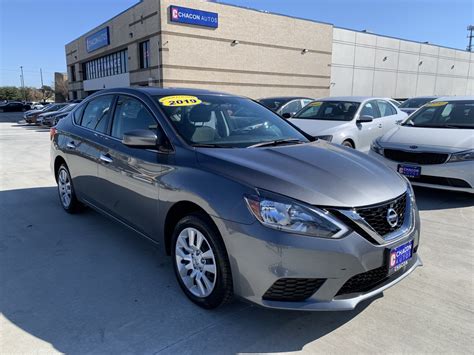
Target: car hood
317,127
317,173
437,139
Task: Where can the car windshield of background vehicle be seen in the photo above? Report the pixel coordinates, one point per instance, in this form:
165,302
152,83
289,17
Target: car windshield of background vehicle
454,114
226,122
329,110
272,104
415,103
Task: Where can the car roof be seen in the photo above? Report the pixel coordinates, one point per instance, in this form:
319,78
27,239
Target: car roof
281,98
351,98
154,91
423,97
455,98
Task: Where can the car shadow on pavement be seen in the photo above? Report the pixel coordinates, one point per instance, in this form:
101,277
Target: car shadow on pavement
88,285
434,199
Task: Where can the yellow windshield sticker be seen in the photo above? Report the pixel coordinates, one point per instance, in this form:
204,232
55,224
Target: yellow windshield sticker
438,103
180,100
317,103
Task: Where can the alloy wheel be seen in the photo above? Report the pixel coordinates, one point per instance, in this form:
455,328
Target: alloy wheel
64,186
196,262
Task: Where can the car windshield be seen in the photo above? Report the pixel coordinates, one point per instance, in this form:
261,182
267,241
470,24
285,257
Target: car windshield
416,103
273,104
328,110
454,114
226,121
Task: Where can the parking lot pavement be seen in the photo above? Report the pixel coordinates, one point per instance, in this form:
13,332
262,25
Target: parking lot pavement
83,284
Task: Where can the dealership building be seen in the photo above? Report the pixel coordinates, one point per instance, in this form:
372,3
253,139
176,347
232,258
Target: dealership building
216,46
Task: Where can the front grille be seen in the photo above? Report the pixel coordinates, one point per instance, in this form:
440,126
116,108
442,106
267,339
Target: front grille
376,216
364,281
292,290
439,180
415,157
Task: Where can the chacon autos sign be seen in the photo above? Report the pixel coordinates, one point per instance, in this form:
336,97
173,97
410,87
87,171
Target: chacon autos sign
193,16
98,40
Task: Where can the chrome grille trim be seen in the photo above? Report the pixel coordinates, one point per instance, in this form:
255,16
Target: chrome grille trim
406,228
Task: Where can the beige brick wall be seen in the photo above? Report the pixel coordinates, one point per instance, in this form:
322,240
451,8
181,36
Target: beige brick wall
267,61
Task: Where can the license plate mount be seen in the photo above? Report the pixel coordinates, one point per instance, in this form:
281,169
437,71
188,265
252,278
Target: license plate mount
410,171
400,256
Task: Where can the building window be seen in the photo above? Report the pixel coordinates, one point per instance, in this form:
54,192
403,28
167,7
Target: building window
73,72
144,48
112,64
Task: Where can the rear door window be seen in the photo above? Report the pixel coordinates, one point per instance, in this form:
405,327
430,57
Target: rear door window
96,114
291,107
370,109
385,108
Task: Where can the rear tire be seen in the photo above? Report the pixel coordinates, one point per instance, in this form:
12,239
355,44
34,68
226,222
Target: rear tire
67,195
200,262
348,144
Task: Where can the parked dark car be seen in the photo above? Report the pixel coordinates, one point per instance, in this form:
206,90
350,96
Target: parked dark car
285,106
14,106
245,204
32,116
49,118
411,105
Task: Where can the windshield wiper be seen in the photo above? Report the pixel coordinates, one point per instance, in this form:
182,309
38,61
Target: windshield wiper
276,142
209,145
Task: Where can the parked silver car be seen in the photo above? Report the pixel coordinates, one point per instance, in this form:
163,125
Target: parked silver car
434,147
245,203
352,121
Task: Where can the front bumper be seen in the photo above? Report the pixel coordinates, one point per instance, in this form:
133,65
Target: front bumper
260,256
459,170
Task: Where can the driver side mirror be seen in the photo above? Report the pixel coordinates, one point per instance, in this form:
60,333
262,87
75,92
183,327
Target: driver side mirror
365,118
142,138
287,115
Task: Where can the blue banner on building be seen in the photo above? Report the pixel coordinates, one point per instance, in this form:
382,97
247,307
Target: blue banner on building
98,40
193,16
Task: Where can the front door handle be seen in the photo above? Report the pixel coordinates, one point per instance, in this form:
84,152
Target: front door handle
71,145
106,158
380,125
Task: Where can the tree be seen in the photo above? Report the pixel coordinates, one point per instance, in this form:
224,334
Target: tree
61,90
10,93
47,91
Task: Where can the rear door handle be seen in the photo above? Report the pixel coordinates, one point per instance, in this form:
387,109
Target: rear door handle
71,145
106,158
380,125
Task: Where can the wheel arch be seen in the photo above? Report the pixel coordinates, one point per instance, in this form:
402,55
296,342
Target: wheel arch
58,161
177,211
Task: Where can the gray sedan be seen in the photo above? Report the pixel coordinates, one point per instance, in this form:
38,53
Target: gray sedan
245,203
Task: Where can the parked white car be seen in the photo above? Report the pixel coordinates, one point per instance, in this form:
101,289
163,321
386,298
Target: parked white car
434,147
351,121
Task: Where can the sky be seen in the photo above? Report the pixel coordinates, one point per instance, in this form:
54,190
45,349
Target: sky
33,32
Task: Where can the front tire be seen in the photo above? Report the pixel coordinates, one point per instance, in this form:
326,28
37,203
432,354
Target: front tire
200,262
67,196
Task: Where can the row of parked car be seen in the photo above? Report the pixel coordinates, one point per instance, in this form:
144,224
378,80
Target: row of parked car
381,127
49,115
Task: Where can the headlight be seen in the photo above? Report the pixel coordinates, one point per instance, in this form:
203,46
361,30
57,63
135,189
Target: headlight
376,147
325,138
292,217
462,156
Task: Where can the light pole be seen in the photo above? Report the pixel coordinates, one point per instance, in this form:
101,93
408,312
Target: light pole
23,83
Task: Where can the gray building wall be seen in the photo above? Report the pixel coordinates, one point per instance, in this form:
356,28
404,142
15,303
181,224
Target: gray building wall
369,64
